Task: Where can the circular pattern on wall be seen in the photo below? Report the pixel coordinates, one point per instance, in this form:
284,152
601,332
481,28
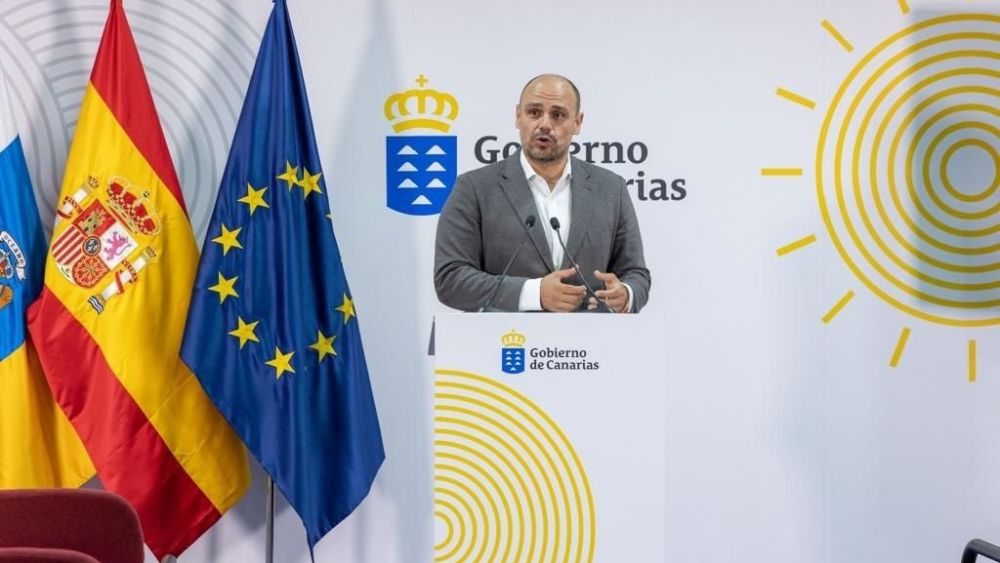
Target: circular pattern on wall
197,56
508,485
908,170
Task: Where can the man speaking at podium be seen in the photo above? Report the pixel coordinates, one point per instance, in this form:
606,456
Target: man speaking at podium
508,225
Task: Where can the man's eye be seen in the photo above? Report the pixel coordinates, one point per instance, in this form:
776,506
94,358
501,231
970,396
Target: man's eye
558,115
534,112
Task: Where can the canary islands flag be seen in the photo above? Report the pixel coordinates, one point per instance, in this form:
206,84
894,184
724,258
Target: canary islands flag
109,321
272,333
38,447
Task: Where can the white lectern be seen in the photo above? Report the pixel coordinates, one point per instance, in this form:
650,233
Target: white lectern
549,437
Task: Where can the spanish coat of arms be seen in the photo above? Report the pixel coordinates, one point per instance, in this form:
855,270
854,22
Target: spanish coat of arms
107,240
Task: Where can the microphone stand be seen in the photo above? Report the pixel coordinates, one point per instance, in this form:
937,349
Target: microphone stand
602,306
488,306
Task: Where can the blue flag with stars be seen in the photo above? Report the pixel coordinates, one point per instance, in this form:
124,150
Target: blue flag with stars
272,333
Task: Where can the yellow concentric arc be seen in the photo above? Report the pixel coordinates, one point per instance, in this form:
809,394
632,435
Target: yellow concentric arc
945,159
894,192
509,486
953,225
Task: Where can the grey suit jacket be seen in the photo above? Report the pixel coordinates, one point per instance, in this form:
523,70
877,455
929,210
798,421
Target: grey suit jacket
482,225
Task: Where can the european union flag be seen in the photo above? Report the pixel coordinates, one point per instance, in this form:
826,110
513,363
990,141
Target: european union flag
272,332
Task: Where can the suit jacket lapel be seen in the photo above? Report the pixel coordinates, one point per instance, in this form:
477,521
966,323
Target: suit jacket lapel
581,210
513,182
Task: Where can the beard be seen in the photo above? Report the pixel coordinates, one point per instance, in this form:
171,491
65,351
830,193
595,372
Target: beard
550,154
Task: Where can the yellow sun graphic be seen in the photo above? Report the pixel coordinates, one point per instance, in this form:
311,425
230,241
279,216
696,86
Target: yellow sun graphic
508,483
907,172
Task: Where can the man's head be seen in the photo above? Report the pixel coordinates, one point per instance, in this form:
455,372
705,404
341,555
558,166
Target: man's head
547,117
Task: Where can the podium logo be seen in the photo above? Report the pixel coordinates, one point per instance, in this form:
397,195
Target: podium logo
512,353
420,170
907,171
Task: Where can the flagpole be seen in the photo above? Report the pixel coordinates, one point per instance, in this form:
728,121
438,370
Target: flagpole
269,519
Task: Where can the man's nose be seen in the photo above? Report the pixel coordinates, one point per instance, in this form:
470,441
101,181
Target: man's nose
544,124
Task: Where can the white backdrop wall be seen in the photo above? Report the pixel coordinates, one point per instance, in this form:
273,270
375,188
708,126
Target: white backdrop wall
788,439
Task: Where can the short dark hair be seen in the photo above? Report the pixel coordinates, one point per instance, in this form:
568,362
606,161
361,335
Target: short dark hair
576,91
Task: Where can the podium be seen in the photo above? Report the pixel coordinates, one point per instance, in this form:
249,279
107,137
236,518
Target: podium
549,438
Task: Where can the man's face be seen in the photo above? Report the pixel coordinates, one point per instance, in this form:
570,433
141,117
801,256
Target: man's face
547,119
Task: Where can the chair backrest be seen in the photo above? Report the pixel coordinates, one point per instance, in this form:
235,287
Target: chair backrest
43,555
97,523
978,547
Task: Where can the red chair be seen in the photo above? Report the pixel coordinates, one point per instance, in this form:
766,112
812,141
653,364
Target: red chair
97,525
43,555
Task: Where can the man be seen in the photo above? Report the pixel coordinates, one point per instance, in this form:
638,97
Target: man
484,221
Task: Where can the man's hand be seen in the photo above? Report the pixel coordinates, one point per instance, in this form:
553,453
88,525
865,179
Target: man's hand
558,296
614,293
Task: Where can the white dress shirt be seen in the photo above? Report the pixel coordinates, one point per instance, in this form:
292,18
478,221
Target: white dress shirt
554,202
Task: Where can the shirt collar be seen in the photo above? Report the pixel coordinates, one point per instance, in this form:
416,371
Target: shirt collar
529,172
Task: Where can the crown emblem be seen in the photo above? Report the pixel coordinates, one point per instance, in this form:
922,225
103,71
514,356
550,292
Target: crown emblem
421,108
513,339
130,206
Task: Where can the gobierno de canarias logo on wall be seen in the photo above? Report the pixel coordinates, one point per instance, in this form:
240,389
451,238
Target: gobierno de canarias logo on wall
907,171
420,170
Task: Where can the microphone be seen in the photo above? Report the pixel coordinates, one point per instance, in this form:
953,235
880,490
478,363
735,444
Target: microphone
488,306
554,221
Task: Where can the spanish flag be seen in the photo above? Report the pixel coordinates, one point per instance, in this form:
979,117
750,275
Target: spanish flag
109,321
38,447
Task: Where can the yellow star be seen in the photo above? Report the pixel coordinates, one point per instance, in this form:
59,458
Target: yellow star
245,332
225,288
281,363
324,345
291,175
228,239
347,308
310,183
254,198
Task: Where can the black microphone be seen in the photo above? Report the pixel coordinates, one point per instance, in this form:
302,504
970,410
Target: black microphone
554,221
488,306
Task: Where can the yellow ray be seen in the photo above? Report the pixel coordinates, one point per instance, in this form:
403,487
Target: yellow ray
900,345
836,35
793,97
904,6
780,171
972,361
792,247
836,308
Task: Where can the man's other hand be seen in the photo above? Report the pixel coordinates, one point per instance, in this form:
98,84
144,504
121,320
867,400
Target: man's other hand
614,293
558,296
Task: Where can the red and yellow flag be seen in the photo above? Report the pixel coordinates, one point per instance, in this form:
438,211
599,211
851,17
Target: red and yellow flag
109,322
